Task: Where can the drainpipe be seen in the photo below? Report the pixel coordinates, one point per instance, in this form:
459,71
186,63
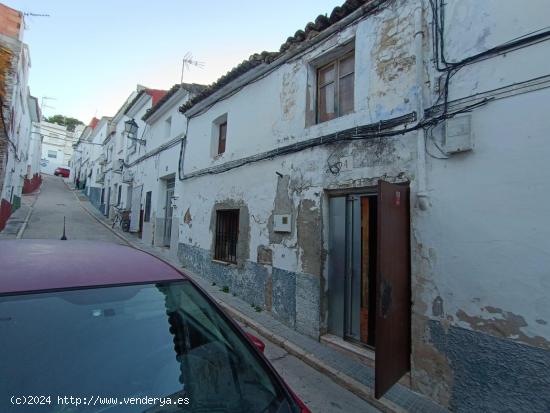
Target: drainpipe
422,194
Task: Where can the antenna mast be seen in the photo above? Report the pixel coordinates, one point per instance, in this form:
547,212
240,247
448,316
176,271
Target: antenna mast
188,61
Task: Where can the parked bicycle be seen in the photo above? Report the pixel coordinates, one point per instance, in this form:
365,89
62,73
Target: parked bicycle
122,218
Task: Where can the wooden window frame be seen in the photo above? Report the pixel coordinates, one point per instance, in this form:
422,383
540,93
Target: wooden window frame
337,78
222,148
227,235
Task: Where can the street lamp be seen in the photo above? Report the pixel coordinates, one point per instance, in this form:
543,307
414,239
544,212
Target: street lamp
131,127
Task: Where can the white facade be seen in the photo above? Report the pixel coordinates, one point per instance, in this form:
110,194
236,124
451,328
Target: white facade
478,228
166,129
35,145
15,130
57,146
439,114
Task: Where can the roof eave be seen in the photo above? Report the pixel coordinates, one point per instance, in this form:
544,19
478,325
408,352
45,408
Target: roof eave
166,106
262,69
134,108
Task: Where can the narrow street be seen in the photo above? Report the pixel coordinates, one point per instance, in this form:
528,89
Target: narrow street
56,201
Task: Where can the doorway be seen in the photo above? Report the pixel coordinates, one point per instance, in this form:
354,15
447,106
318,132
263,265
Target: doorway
168,211
368,296
358,222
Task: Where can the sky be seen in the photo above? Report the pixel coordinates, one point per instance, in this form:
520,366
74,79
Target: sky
90,55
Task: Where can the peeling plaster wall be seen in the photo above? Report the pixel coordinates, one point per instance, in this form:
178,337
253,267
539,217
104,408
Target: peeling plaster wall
481,337
291,268
483,255
479,251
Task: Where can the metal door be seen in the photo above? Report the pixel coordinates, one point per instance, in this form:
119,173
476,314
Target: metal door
353,268
168,217
393,301
168,210
344,291
337,273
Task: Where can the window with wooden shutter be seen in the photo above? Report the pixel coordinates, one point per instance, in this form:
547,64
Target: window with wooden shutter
335,88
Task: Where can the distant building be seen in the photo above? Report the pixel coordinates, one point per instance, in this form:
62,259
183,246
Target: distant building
57,145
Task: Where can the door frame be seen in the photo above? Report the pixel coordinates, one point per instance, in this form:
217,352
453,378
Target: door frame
381,384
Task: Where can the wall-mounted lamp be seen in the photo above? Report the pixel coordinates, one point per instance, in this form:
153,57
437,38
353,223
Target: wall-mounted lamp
131,127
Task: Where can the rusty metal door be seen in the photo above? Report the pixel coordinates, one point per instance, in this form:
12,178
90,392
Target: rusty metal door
393,301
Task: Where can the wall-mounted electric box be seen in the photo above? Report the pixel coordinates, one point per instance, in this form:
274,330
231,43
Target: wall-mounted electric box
282,223
458,134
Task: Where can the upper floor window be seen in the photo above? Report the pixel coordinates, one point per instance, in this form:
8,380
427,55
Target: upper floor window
222,134
52,154
335,88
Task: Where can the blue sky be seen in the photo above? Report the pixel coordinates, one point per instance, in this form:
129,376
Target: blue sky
89,55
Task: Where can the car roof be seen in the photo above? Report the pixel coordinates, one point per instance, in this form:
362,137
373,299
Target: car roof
40,265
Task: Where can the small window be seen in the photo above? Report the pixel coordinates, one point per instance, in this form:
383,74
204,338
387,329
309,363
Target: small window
335,88
147,215
222,134
227,234
52,154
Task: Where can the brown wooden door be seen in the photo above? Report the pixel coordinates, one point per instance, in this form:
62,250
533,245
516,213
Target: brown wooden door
393,299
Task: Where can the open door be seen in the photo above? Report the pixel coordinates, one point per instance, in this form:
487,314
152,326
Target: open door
393,301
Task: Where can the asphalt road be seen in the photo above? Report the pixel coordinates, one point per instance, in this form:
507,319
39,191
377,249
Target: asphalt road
56,201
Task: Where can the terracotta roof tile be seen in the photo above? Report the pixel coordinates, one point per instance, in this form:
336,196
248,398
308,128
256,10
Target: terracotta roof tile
93,122
156,94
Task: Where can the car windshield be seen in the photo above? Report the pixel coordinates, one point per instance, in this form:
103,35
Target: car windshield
140,348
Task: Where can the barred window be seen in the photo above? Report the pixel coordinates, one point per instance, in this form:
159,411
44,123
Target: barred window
227,234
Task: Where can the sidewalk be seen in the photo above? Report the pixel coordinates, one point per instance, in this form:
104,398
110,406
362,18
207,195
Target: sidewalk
346,371
18,220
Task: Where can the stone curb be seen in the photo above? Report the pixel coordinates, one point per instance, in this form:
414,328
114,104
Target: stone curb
102,222
28,217
343,380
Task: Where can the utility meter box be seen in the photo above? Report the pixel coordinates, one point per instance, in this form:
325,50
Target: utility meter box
282,223
458,134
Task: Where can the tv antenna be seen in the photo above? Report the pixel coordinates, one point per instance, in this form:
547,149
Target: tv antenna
187,62
45,105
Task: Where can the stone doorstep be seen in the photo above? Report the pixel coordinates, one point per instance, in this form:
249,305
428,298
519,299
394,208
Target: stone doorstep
343,380
364,355
359,389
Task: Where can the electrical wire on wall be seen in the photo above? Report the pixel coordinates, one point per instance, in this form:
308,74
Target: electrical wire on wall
431,117
451,68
